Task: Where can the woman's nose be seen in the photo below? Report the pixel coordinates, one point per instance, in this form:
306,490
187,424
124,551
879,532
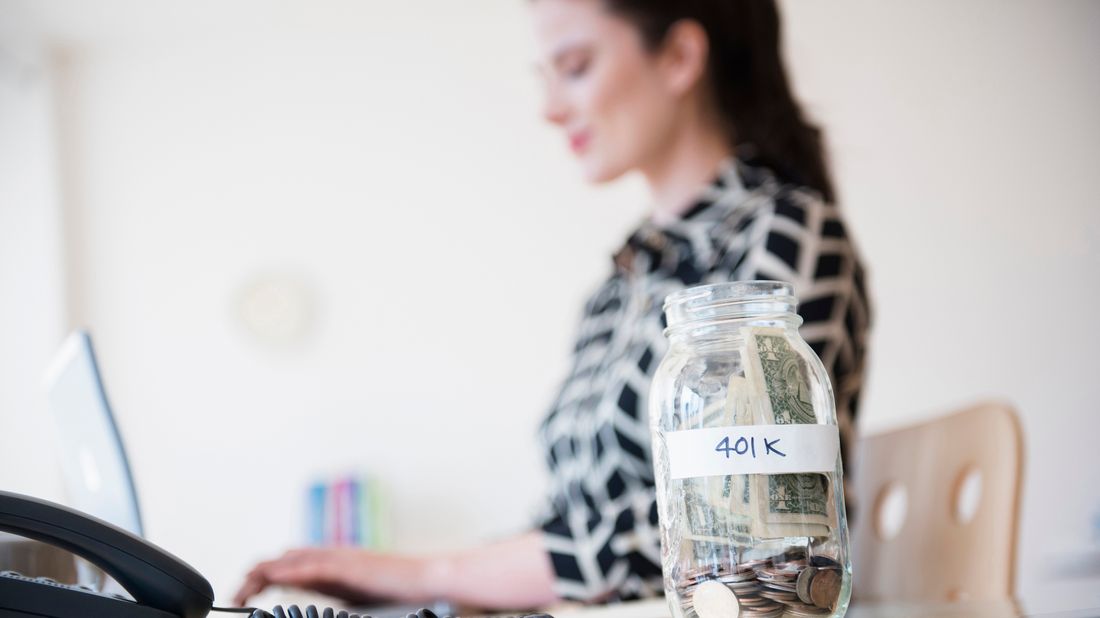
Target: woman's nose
554,109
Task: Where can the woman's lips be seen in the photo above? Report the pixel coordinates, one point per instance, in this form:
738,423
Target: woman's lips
579,141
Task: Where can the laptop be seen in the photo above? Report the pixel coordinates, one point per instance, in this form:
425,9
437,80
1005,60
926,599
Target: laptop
95,471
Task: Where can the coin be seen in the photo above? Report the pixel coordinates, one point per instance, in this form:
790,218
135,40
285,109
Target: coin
714,600
825,588
740,576
699,573
776,573
803,585
791,565
824,562
773,611
755,601
801,610
782,597
752,565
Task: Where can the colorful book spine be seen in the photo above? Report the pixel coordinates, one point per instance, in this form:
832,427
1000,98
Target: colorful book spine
355,529
379,534
365,519
316,500
341,506
346,511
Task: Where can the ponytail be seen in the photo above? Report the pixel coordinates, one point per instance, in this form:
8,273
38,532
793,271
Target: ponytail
749,80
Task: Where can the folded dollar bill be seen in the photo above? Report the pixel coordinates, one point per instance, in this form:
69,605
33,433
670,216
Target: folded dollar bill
786,504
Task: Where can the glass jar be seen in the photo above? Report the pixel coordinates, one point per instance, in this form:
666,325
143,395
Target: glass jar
747,456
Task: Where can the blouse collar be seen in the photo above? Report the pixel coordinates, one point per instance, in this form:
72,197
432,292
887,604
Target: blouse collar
683,247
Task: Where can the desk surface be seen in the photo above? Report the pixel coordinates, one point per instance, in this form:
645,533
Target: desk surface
657,608
987,609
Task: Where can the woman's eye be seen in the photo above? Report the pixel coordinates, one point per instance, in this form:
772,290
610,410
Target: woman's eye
576,68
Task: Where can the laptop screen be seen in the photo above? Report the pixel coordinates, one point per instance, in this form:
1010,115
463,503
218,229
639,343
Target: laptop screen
96,473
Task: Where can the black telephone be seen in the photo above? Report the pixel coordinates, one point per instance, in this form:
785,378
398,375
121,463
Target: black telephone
162,585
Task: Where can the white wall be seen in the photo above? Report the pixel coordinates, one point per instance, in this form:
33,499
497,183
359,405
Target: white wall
31,287
388,164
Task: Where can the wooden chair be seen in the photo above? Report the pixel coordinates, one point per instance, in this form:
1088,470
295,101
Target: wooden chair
950,544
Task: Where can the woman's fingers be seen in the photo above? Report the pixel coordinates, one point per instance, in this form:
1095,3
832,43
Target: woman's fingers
254,583
349,573
311,568
260,577
303,573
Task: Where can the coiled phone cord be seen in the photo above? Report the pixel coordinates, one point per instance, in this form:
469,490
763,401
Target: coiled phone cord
310,611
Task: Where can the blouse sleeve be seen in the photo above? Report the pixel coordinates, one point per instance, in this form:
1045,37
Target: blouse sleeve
604,540
611,556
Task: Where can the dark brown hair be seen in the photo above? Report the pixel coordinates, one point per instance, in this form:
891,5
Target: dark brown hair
747,76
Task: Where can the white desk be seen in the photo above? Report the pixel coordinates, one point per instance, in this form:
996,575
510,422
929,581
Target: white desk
659,609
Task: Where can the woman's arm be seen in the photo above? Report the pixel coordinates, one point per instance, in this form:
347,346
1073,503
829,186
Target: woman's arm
511,574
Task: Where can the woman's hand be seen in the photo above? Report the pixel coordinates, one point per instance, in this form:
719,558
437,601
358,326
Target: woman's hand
510,574
354,575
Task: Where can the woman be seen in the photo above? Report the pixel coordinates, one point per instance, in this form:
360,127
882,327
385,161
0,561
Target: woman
692,95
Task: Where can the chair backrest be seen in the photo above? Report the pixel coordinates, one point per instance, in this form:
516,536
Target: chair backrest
955,482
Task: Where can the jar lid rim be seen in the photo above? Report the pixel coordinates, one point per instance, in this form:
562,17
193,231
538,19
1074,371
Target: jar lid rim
726,300
748,291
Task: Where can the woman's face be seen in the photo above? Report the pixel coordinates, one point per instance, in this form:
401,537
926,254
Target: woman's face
604,88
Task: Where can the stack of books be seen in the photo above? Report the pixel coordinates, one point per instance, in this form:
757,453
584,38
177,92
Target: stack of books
347,511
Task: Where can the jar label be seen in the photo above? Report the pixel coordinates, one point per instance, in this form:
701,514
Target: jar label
752,449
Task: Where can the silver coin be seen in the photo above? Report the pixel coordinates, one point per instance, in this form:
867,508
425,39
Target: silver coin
777,580
782,581
714,600
773,613
777,572
776,595
744,591
767,606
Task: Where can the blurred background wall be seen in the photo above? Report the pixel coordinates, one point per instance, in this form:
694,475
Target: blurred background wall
313,237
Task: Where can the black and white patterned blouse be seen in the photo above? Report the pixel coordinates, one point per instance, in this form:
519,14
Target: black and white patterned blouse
601,531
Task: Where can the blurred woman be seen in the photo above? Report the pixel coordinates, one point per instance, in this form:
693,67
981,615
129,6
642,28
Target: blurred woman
692,95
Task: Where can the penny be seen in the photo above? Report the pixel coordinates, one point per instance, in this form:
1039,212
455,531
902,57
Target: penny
825,588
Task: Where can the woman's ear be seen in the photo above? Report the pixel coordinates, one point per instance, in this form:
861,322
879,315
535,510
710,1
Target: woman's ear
683,55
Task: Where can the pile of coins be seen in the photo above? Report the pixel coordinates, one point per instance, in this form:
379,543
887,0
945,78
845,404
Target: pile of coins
763,589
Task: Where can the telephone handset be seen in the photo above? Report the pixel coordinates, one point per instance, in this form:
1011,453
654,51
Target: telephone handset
162,585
